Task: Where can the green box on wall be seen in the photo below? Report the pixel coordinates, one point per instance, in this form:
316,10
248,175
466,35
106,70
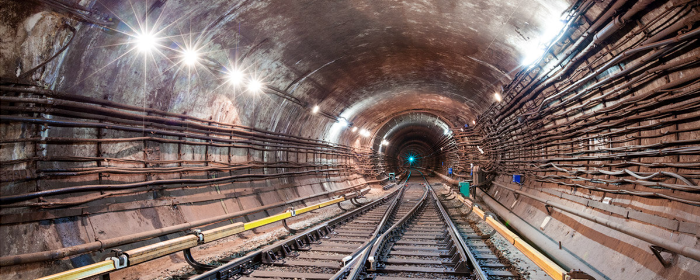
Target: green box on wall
464,188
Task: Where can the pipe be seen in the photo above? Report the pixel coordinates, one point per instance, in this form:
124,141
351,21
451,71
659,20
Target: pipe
618,59
107,187
52,122
547,245
573,49
653,239
123,240
85,99
448,179
81,114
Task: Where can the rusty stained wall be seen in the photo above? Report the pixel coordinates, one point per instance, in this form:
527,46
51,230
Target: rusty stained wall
32,34
373,61
605,150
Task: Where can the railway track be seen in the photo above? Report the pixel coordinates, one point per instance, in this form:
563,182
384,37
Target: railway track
406,234
490,263
427,244
316,253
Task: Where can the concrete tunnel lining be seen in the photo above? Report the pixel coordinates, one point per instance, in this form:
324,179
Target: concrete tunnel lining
105,134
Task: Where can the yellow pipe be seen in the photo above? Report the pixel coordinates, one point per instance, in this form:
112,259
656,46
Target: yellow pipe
330,202
221,232
268,220
551,268
157,250
83,272
146,253
306,209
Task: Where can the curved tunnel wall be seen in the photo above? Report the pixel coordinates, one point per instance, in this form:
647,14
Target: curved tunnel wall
604,124
571,124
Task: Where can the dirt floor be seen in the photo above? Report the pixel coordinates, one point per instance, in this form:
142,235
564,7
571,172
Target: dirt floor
171,266
174,265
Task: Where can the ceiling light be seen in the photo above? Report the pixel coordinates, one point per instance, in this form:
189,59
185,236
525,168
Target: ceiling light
254,85
354,129
235,76
145,41
552,29
497,96
474,122
533,52
364,132
385,143
315,109
536,48
190,57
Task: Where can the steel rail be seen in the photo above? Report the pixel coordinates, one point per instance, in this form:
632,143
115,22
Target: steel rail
150,252
356,267
373,255
547,265
123,240
360,255
285,247
463,248
372,258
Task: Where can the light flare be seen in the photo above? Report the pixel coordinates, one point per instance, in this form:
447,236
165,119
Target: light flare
235,76
145,41
364,132
536,48
190,57
255,85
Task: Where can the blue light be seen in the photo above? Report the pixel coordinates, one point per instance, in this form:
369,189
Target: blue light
411,159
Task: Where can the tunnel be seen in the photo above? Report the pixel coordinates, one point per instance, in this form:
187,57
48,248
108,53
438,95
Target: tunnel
387,140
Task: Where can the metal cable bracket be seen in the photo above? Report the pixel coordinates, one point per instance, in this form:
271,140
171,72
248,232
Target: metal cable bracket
120,259
199,235
657,250
284,222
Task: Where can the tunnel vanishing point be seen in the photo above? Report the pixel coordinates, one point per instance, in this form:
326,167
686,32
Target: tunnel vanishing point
385,140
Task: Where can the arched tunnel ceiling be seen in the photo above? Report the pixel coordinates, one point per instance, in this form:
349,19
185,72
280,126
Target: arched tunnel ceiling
430,127
401,53
367,61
